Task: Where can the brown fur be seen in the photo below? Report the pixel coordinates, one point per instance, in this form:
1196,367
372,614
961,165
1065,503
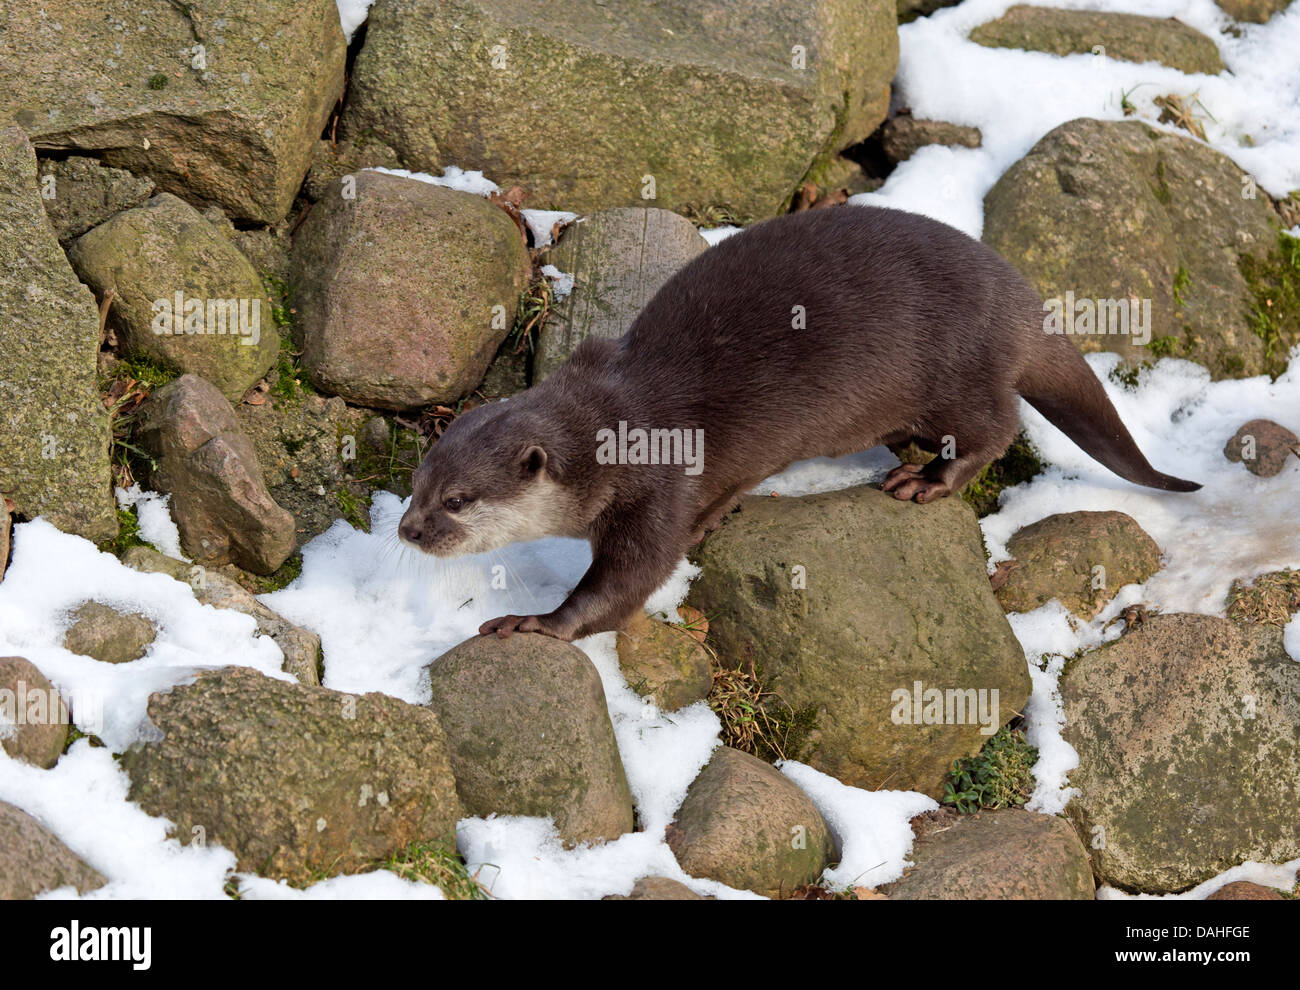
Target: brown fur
914,331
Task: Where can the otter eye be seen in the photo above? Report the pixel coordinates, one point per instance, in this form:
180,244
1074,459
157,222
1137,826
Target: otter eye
455,504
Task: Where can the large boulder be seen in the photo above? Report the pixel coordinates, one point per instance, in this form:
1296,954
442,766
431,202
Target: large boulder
721,105
618,259
404,290
33,860
745,824
33,715
53,428
529,734
1107,210
1188,759
1078,558
208,466
857,610
218,101
1131,37
183,295
296,781
80,193
1006,855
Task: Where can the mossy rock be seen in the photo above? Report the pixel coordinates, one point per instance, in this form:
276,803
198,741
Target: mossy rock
529,734
745,824
1176,228
1078,558
722,105
840,601
1188,753
1131,37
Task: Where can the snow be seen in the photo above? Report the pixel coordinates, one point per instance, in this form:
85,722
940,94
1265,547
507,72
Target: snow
156,526
352,14
1015,97
1291,638
384,612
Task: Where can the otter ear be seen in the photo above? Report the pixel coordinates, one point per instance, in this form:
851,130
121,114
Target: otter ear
532,459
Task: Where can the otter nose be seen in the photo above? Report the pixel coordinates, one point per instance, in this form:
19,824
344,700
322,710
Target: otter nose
410,531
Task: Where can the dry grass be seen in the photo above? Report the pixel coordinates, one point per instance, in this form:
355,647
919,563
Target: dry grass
1269,598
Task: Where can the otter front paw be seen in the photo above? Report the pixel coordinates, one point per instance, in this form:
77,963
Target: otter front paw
508,625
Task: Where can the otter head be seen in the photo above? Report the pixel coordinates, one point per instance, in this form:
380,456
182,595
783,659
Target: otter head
488,481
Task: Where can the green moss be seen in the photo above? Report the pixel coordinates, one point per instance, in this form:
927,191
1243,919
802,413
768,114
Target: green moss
999,776
157,81
1182,281
439,865
145,370
354,508
1168,346
128,534
1274,316
1162,187
1020,463
290,382
286,575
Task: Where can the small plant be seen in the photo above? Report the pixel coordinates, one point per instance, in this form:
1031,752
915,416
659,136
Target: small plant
1274,315
353,508
999,776
158,81
439,865
128,534
534,306
755,720
1020,463
1269,598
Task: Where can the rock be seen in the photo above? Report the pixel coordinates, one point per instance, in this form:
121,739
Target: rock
902,136
222,329
82,194
664,664
841,604
108,635
330,162
657,889
1255,11
1078,558
1006,855
1188,762
1242,890
1263,446
720,107
529,734
405,292
33,860
301,647
5,524
1131,37
745,824
301,446
1177,226
34,723
910,10
296,781
619,259
208,466
216,102
54,431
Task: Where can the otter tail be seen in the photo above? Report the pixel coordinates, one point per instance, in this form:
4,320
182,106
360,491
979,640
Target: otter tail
1061,386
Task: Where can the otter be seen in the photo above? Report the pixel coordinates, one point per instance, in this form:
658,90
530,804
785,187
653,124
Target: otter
817,333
